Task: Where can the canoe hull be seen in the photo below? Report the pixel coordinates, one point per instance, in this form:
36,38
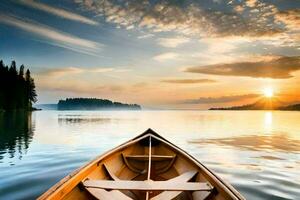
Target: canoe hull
129,162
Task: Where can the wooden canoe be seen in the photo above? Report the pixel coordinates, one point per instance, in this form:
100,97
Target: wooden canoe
146,167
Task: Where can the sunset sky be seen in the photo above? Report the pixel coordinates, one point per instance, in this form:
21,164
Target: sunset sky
192,54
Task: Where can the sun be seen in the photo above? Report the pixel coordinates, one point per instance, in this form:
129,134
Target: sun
268,92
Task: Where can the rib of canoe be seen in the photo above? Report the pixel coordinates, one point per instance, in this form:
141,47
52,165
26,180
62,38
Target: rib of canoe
146,167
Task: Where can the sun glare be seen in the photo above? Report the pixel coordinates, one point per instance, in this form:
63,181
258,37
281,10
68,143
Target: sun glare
268,92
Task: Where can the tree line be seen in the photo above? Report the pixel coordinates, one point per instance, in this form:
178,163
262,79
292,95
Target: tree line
17,88
93,104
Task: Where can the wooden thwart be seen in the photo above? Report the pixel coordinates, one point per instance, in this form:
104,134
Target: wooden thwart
147,185
146,157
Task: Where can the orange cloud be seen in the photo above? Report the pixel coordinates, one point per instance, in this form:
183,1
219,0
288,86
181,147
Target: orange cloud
280,68
291,18
222,99
188,81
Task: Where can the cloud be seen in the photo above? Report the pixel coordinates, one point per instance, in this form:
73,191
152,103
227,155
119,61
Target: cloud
279,68
188,18
172,41
58,12
145,36
57,72
77,80
251,3
222,99
291,18
166,56
61,71
188,81
239,8
53,36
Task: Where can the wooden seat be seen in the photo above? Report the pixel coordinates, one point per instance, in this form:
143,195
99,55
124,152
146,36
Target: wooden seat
147,185
153,157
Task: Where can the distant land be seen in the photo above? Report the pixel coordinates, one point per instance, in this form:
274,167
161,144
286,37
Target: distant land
46,106
291,107
94,104
263,104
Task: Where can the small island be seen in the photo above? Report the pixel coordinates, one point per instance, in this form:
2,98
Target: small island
94,104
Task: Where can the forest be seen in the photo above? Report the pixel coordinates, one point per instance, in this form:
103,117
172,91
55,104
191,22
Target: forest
17,88
93,104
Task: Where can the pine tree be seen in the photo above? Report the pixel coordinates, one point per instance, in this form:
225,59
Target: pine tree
30,86
21,71
16,92
2,81
13,68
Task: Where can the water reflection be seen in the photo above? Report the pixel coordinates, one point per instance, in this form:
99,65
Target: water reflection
16,132
82,119
268,121
268,118
277,142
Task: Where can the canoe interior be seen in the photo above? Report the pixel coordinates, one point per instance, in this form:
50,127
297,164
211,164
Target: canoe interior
148,157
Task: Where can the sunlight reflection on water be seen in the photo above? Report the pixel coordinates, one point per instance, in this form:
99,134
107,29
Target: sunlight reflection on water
268,120
256,151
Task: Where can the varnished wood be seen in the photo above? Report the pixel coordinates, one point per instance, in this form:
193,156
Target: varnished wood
147,185
111,175
149,166
201,195
102,194
153,157
168,195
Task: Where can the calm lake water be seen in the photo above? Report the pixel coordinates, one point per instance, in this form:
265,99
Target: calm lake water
258,152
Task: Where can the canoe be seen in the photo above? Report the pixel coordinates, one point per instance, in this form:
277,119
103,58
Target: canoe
146,167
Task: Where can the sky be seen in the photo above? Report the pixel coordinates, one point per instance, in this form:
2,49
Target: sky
177,54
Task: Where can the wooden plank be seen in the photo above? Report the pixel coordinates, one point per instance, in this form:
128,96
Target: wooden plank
183,177
112,175
153,157
149,166
147,185
149,162
108,195
166,195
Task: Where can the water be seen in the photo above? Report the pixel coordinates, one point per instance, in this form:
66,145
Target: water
257,152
